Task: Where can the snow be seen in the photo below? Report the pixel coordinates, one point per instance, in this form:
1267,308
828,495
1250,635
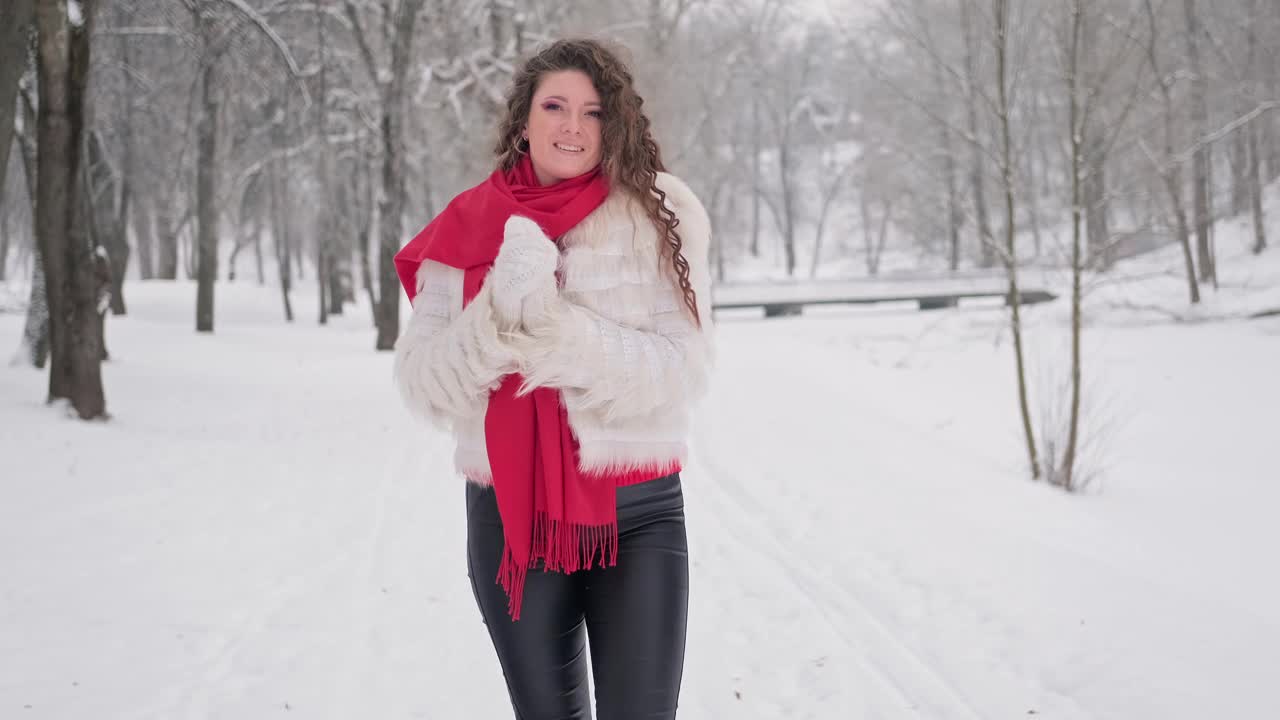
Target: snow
261,528
75,13
11,300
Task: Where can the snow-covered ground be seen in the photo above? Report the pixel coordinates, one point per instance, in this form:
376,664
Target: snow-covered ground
262,531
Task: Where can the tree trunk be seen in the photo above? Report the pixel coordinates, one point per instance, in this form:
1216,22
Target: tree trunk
864,214
27,148
978,185
1239,157
878,251
1253,174
323,266
144,239
167,234
954,214
364,237
257,250
392,206
1095,197
831,191
4,247
337,288
755,176
1076,132
325,237
239,244
206,195
279,203
119,247
35,331
986,255
1271,130
63,211
1255,192
1011,250
788,207
1173,186
389,210
298,262
1033,207
1031,182
58,145
15,23
279,191
120,254
1170,174
189,249
1201,179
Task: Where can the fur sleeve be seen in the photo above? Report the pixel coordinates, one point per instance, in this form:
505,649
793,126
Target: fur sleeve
622,372
449,359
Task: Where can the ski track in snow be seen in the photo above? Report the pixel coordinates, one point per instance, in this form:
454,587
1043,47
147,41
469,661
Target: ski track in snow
357,660
889,662
905,681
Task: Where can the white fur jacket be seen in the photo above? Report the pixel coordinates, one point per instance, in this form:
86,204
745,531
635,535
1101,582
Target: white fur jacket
617,338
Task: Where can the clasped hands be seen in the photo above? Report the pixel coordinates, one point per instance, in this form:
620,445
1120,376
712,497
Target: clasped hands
523,284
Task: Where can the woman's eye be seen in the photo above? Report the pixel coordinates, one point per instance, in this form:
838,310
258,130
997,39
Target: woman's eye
551,106
596,114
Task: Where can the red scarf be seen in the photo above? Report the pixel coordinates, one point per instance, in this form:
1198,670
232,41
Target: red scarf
550,512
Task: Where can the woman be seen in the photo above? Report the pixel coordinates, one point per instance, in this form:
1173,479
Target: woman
561,330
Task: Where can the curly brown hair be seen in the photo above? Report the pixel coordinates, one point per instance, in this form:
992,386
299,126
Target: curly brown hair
630,157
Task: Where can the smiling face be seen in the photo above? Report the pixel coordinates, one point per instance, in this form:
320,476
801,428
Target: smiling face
564,127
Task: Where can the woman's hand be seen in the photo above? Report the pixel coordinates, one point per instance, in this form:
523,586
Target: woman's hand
523,277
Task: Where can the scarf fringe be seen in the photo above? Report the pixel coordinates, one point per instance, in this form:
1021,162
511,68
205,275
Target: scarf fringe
562,547
511,576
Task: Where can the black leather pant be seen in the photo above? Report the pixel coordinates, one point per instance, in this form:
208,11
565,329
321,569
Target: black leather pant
633,614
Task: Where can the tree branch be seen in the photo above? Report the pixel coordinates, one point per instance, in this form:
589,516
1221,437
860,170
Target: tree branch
357,29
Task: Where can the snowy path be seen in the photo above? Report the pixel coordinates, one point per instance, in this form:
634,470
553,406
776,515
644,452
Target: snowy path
816,564
263,532
879,498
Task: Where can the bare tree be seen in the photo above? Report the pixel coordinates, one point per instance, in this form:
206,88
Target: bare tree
15,23
282,228
62,205
1254,90
1075,131
873,241
35,329
1169,169
206,170
976,173
959,107
16,29
954,214
1201,178
1011,246
398,21
838,169
784,112
214,41
327,237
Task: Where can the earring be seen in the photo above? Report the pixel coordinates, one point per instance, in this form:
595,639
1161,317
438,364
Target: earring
525,149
